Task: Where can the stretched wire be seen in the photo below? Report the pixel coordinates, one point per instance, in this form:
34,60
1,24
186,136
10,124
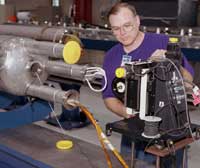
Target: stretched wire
59,124
54,113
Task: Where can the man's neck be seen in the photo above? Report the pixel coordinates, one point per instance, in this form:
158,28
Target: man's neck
139,39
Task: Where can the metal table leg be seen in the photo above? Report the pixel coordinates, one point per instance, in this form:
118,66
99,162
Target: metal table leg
132,154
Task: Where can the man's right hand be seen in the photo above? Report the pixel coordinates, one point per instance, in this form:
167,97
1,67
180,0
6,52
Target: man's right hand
117,107
158,55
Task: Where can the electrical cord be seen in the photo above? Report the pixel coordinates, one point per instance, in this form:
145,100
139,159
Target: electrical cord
102,137
93,72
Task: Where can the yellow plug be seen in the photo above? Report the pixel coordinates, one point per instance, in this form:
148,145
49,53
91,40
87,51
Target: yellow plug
120,72
72,52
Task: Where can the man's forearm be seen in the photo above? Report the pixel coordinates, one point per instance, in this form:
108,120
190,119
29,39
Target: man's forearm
186,76
116,106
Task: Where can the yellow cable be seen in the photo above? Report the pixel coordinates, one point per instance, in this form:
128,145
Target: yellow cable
90,117
103,139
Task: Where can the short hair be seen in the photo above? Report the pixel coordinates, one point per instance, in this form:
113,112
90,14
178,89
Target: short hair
118,6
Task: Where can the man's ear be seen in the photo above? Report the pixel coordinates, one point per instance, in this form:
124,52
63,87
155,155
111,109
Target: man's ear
138,20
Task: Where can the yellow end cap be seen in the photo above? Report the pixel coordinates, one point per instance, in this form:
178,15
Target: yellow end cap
64,144
72,52
120,72
173,40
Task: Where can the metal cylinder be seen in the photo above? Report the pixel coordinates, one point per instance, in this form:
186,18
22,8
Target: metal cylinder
61,69
36,32
16,67
53,95
42,48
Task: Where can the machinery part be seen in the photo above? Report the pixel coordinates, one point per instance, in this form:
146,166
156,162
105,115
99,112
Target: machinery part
151,127
155,87
19,65
118,87
23,73
61,69
36,32
53,95
15,65
55,34
45,48
36,68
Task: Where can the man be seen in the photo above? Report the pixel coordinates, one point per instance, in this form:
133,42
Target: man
133,45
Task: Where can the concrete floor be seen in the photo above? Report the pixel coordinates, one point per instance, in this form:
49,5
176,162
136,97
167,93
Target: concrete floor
95,104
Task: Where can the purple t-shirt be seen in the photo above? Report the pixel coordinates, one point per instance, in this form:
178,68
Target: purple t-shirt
113,57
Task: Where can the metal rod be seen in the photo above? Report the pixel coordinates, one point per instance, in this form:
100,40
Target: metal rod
50,49
61,69
36,32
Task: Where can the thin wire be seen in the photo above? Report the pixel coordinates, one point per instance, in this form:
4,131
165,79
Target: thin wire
57,120
62,129
54,113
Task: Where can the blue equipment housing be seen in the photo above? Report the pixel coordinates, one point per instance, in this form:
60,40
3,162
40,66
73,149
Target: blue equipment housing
21,111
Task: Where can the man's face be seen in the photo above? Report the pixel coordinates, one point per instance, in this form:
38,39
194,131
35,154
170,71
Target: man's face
125,26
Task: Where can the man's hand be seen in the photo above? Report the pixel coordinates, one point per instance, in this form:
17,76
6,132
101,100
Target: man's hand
117,107
158,55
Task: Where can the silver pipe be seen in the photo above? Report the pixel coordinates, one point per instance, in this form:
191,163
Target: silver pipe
53,50
51,94
46,93
50,49
61,69
36,32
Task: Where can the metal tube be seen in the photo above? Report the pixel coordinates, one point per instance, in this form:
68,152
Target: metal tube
50,49
61,69
36,32
51,94
46,93
53,50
